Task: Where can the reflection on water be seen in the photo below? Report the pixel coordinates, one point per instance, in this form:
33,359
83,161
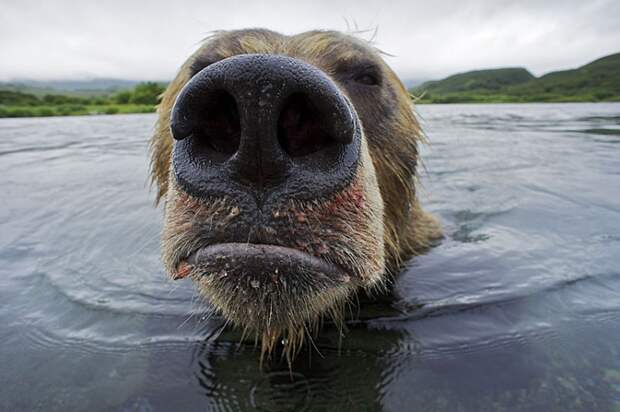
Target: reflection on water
518,308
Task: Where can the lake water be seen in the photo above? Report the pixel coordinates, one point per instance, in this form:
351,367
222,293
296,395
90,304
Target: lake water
517,309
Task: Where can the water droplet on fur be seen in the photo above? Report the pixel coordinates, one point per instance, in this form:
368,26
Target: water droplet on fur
255,284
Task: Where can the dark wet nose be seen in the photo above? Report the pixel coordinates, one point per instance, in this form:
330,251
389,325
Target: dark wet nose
261,124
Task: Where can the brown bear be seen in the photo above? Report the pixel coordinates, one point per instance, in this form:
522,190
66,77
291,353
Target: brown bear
288,169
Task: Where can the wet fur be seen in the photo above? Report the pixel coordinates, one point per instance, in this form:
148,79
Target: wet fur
370,227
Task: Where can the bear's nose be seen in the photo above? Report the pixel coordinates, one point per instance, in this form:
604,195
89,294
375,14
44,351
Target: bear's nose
263,122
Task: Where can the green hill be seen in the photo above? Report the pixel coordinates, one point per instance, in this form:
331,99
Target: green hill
479,80
596,81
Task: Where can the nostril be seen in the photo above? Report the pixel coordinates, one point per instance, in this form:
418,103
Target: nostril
301,127
220,128
264,129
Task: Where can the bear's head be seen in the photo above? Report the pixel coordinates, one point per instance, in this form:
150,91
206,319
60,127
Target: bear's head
288,169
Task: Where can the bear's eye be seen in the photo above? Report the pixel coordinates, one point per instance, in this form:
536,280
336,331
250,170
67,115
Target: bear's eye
366,73
368,79
360,74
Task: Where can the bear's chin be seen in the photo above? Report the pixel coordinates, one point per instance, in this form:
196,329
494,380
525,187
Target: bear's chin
279,294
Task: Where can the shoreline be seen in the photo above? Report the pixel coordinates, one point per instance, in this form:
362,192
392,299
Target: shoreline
16,112
73,110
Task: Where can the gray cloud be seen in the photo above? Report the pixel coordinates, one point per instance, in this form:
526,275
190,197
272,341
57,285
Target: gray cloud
431,38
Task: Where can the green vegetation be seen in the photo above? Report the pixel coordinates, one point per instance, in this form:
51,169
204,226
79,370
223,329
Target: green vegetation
480,80
141,99
594,82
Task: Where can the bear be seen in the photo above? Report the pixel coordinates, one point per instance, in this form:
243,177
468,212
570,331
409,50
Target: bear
287,165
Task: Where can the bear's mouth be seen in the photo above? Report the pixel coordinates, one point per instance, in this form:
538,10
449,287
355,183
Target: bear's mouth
261,261
268,289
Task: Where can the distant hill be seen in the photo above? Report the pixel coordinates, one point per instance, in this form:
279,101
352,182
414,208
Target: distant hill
596,81
479,80
413,82
86,88
73,85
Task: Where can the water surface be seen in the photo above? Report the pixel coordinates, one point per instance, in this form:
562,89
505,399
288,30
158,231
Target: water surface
517,309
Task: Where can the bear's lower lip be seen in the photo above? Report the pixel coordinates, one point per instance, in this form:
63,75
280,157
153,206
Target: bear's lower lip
262,259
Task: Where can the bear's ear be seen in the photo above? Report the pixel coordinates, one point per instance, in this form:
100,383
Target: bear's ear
162,142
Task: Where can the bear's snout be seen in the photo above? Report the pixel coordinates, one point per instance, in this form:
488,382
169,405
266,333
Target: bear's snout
258,127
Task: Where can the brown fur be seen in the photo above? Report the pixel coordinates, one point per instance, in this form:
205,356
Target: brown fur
370,227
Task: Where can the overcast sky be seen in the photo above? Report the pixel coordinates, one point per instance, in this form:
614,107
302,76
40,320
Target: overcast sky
429,38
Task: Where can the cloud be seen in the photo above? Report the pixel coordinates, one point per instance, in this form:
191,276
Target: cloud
150,39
